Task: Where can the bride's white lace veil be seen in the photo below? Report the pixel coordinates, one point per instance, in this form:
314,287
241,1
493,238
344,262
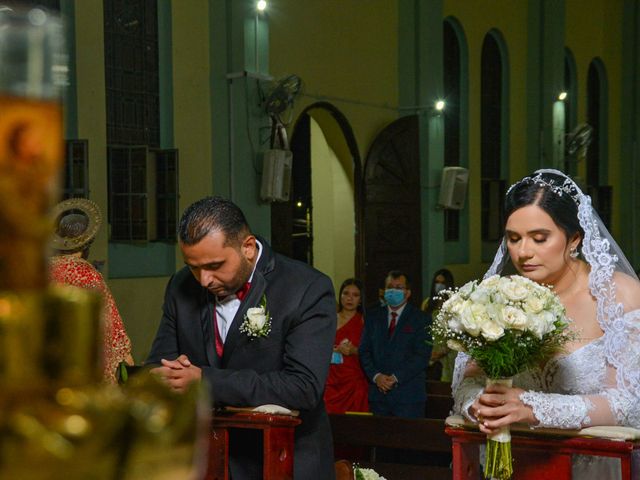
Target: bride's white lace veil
605,257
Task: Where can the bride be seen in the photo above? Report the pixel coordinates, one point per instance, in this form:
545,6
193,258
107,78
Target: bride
554,237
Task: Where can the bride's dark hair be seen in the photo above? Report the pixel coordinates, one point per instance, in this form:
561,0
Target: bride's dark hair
545,191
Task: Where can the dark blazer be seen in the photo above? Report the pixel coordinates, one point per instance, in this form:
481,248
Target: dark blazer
288,367
406,354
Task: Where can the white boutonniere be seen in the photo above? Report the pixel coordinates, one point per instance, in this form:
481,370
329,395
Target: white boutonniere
257,322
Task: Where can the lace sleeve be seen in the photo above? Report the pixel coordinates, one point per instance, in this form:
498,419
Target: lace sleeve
466,393
554,410
465,388
625,407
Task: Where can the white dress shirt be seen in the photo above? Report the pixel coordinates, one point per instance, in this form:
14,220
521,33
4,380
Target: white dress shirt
227,307
398,311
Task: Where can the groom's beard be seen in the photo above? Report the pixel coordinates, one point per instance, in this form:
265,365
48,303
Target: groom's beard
240,278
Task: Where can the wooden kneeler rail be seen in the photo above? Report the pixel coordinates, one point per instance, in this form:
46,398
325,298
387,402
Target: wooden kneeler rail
542,453
278,443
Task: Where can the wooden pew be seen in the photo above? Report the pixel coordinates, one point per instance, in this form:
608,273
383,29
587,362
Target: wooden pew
436,387
439,400
421,439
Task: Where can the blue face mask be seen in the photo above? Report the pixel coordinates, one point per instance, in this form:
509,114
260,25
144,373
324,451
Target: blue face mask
394,296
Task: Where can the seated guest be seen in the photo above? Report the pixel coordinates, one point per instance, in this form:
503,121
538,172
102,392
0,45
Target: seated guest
347,386
394,352
77,223
258,327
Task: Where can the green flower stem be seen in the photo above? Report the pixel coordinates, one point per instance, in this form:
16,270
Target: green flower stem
499,462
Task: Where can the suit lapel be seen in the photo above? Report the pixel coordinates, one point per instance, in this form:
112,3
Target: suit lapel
253,298
402,319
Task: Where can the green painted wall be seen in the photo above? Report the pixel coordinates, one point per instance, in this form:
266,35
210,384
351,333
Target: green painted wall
352,68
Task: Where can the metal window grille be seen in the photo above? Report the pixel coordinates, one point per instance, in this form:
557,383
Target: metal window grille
128,192
132,72
143,193
76,169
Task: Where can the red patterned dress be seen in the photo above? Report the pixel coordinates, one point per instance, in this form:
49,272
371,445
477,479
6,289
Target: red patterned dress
72,270
347,387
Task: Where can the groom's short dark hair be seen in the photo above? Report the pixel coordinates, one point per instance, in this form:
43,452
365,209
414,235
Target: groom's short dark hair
213,214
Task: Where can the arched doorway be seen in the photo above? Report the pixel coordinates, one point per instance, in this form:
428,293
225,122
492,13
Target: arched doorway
392,227
320,225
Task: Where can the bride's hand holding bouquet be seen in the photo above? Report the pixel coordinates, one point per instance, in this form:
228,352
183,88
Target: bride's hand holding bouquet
506,325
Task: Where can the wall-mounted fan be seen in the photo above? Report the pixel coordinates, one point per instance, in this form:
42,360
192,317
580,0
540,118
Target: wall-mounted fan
578,140
279,100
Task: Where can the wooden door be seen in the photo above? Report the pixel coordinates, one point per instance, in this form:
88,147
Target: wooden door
392,218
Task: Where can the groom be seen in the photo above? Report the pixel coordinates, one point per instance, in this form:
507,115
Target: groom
205,333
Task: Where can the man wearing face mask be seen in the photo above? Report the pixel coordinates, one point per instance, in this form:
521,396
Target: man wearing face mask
394,352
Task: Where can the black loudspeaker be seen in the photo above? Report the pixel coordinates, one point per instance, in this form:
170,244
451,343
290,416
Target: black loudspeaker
276,175
453,187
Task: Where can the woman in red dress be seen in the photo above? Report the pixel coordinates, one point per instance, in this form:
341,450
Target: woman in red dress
76,227
347,387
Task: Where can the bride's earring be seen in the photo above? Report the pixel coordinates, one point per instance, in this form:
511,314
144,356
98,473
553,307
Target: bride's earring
573,253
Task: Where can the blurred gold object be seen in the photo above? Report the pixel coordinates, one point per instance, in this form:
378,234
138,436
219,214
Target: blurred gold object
50,337
56,419
140,432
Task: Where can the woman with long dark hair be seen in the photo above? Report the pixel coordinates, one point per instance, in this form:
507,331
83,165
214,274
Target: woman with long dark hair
553,236
442,358
347,388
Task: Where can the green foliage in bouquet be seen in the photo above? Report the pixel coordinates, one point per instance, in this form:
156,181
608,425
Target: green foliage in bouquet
506,324
366,474
514,353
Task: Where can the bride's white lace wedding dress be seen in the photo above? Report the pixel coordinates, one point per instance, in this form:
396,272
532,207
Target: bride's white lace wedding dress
563,394
598,383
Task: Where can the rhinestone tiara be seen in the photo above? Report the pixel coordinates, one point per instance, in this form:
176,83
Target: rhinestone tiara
567,187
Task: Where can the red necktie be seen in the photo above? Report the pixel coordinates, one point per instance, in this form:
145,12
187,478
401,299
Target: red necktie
219,343
243,291
392,325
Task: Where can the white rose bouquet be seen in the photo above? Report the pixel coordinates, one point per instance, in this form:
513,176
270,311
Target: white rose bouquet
506,325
